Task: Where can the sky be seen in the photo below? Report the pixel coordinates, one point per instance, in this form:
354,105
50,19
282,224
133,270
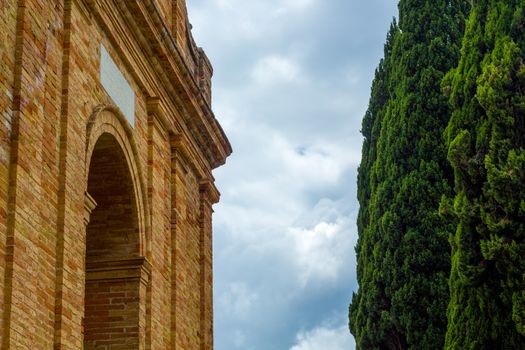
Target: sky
291,85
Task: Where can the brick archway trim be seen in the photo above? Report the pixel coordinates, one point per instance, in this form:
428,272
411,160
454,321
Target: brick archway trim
109,119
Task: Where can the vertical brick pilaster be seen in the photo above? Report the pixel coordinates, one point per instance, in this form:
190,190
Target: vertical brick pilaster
32,198
159,168
173,237
186,260
8,36
12,176
60,312
209,196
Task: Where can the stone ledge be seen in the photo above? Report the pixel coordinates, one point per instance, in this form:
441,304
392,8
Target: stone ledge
118,269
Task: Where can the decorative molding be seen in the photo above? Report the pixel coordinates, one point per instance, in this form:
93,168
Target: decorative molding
138,268
180,145
158,115
89,206
145,22
209,191
85,7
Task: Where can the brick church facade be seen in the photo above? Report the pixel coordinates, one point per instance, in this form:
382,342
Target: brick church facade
107,146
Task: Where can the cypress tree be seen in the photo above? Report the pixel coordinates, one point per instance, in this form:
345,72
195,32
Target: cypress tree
403,251
486,140
371,127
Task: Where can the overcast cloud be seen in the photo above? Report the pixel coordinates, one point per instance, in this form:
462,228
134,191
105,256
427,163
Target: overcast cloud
291,84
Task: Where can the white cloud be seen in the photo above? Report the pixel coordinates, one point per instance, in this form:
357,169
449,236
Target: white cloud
291,83
324,338
238,300
314,163
275,69
268,203
321,251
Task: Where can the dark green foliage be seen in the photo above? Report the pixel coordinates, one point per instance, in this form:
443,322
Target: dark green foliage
486,140
371,128
403,251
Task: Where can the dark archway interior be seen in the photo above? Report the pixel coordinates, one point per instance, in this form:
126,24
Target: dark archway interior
112,298
112,232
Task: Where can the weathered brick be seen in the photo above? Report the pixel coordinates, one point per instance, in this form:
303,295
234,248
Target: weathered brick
105,227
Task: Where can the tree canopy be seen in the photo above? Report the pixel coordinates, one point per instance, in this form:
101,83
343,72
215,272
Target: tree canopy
403,251
486,139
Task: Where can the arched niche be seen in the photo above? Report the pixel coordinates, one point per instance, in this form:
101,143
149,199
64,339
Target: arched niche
108,119
117,273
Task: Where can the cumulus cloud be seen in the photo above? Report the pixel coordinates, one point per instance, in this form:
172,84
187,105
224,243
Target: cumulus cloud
291,84
325,339
321,251
317,162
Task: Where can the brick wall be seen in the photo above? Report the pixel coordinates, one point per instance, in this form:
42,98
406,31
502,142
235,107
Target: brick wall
159,195
8,12
31,206
146,280
186,255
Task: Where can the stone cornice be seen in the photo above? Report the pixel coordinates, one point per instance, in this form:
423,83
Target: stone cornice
180,140
209,191
145,22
